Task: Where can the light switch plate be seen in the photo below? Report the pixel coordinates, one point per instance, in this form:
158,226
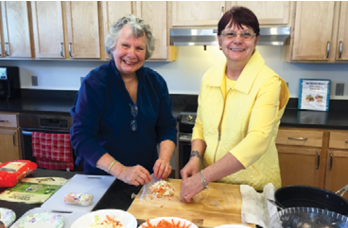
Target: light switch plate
34,81
339,89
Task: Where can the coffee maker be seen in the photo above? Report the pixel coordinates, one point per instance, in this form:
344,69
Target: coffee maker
9,83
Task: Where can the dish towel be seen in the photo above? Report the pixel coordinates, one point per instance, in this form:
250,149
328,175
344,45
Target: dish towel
255,207
52,151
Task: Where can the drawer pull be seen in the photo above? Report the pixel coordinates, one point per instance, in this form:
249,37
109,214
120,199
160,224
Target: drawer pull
331,158
346,141
3,121
14,139
318,160
297,139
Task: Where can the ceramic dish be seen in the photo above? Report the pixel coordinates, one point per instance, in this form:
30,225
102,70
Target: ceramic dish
155,221
47,220
7,216
126,219
232,226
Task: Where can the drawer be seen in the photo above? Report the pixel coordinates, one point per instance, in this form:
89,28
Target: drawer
338,140
300,138
8,120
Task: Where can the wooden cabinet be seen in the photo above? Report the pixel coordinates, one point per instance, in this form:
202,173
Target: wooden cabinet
337,161
342,51
155,14
9,137
16,29
48,29
267,12
197,13
301,157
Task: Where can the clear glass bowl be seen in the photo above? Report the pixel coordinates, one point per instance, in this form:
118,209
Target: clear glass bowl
308,217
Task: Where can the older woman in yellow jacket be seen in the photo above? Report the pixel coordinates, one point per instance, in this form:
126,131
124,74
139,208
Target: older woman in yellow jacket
240,104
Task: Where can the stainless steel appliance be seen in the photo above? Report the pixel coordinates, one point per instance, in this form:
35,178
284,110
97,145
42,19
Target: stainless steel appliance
54,124
187,120
9,82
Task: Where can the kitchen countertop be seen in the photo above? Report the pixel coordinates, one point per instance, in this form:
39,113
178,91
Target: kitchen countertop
118,196
333,119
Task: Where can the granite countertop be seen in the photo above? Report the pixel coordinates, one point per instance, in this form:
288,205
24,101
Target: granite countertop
336,118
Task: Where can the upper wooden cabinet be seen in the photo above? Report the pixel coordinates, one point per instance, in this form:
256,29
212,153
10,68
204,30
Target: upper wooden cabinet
267,12
155,14
16,31
83,29
48,29
197,13
342,52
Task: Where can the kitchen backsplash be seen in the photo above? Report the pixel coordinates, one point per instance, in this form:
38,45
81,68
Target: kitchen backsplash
183,76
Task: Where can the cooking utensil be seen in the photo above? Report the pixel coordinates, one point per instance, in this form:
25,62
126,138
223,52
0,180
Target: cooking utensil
308,196
342,190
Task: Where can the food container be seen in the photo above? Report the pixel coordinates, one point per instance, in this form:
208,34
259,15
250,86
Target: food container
308,217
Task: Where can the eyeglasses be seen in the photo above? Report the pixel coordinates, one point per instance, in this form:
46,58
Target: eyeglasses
231,35
134,112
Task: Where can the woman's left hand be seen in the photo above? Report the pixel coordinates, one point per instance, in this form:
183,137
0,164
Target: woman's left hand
162,169
190,187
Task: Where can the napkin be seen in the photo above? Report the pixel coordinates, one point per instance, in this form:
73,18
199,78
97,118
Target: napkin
255,207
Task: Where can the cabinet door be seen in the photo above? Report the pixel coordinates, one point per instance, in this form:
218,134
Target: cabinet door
83,29
112,11
337,169
313,30
205,13
268,13
155,14
343,33
9,145
15,25
300,166
48,29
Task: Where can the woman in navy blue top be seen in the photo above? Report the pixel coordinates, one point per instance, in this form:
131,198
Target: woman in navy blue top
123,111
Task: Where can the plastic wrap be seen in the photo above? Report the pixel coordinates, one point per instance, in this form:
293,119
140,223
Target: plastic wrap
11,172
82,199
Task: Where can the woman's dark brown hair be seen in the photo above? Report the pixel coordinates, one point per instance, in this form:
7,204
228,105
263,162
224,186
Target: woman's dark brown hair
239,16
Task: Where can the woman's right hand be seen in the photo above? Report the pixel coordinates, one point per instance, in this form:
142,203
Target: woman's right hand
191,168
134,175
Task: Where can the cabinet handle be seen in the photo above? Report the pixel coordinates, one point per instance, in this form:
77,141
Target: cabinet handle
346,141
70,49
14,139
61,50
2,121
331,158
222,10
327,49
6,49
318,160
341,48
297,139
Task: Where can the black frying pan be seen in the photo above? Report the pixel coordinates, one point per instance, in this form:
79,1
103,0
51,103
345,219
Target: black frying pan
307,196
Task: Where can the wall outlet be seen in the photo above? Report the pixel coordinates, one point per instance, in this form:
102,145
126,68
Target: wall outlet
339,89
34,81
81,79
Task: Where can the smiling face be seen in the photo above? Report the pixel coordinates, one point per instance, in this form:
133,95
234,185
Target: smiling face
129,52
237,50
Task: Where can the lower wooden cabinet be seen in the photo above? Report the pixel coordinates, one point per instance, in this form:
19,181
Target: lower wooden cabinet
314,157
9,137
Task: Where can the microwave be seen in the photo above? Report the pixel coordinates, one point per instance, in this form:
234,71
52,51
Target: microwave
9,83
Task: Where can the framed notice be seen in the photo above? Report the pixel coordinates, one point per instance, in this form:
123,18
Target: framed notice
314,94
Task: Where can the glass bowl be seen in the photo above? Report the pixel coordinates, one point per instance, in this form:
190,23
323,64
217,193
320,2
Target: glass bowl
308,217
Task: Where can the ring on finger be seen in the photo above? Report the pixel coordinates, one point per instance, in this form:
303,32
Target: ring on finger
184,196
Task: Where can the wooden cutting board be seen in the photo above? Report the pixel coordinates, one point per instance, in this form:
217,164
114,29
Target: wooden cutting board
218,205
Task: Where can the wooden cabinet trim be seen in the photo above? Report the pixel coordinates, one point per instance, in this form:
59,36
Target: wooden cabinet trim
300,138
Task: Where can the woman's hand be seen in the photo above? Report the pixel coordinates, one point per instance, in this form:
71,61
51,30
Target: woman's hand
134,175
191,168
162,169
190,187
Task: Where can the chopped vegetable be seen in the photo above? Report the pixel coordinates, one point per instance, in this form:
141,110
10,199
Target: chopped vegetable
165,224
161,189
109,222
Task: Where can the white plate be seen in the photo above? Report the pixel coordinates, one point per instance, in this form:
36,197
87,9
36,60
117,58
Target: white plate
47,220
7,216
232,226
127,220
155,221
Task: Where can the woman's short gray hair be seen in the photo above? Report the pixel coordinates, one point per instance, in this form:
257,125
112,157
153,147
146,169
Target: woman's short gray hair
138,26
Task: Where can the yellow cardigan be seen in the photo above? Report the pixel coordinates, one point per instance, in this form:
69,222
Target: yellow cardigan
249,115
